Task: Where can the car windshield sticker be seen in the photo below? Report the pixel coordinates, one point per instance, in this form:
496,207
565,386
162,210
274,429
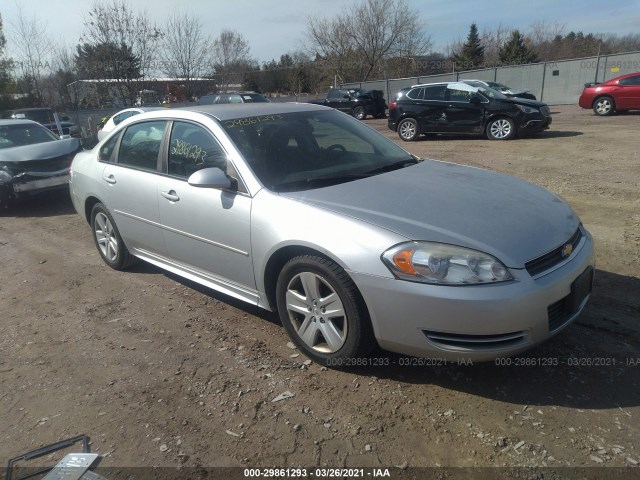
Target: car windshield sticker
188,150
243,122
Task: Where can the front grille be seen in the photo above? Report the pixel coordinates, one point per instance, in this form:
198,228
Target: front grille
545,111
559,314
554,257
476,342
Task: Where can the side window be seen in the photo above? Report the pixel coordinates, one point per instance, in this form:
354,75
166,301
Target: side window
118,118
192,148
434,93
630,81
458,95
106,151
416,94
140,145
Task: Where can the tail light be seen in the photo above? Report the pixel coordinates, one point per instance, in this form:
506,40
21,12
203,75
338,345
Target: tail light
393,105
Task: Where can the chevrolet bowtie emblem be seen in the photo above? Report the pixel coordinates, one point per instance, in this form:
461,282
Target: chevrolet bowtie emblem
566,250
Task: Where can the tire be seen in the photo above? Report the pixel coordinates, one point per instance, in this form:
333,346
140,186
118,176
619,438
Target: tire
108,240
359,113
323,312
501,128
408,130
604,106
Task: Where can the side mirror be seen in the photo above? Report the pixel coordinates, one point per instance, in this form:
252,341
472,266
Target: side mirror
211,177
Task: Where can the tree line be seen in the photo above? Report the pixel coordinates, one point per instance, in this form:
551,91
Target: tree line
371,39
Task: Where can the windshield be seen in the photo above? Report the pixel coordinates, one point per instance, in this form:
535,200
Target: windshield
497,86
302,150
492,93
24,134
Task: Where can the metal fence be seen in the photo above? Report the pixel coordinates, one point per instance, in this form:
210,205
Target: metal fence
558,82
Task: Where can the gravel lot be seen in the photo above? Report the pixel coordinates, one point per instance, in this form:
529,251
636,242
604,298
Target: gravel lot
158,371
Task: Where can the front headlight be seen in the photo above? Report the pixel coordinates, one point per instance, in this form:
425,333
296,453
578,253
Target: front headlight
525,109
443,264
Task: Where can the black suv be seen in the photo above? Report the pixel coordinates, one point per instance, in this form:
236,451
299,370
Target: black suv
458,108
356,102
234,97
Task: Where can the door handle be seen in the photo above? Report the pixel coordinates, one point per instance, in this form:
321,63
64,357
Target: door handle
109,179
170,195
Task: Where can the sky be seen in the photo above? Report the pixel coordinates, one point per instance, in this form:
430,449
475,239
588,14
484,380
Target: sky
275,27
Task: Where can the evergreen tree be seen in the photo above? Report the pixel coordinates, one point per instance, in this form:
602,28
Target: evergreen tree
471,55
515,51
5,64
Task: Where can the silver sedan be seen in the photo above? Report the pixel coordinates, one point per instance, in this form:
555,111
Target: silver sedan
354,241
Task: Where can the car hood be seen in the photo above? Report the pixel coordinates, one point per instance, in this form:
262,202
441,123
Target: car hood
40,151
524,101
508,218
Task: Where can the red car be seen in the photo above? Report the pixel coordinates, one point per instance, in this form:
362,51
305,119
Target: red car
617,95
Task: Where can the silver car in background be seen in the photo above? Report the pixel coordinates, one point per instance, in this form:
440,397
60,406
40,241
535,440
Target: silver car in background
355,242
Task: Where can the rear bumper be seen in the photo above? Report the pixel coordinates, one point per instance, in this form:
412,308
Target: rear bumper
477,323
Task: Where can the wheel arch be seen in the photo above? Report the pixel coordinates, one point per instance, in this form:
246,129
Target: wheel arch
281,256
89,203
602,95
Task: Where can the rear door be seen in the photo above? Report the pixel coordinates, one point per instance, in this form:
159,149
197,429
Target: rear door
130,179
427,105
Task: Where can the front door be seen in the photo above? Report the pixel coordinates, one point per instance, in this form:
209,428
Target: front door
206,230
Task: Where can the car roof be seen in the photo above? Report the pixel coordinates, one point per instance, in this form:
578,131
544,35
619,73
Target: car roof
18,121
459,84
228,111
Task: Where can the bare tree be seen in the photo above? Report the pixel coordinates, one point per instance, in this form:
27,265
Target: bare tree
115,23
186,50
33,47
493,39
368,34
232,59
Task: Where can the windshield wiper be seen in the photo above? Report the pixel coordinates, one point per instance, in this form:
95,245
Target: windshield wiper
393,166
320,181
333,179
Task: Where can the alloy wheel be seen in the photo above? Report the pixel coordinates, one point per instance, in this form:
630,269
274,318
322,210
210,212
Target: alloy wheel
106,237
316,312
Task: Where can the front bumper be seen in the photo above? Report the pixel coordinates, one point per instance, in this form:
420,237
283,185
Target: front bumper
477,323
535,125
31,183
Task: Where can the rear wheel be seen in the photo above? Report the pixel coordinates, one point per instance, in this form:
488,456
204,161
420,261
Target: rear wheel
359,113
604,106
408,130
322,311
108,240
501,128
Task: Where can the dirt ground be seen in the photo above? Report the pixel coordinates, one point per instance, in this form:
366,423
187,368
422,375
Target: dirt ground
160,372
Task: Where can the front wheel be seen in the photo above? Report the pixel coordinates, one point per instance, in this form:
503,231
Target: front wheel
322,311
501,129
408,130
604,106
359,113
108,240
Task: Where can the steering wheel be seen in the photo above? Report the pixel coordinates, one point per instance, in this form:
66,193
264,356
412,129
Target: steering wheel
336,146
